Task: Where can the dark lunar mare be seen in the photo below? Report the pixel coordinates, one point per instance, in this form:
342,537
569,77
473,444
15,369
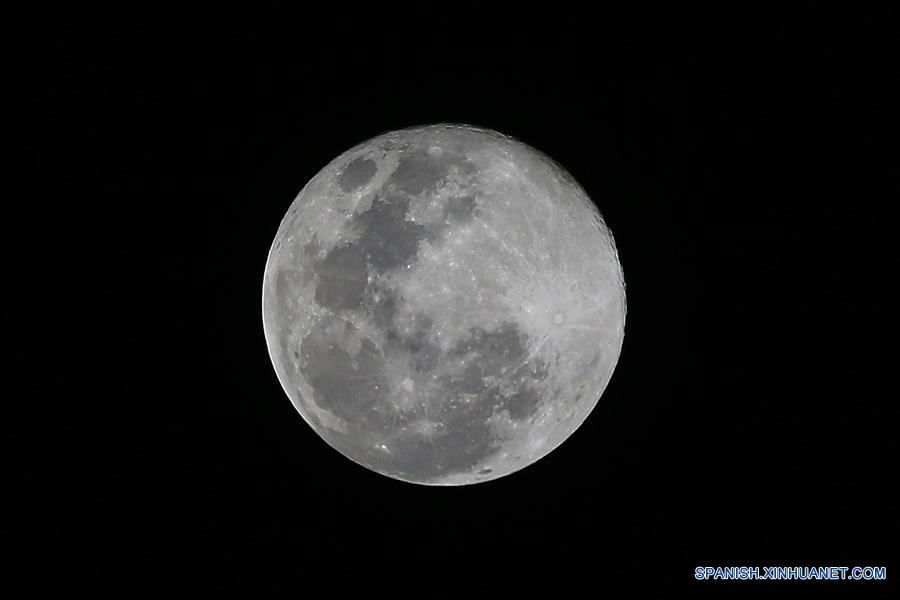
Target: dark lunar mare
416,346
499,353
388,240
467,404
353,388
459,209
341,278
356,174
418,171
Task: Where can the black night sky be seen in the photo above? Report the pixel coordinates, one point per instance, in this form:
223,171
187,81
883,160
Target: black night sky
745,161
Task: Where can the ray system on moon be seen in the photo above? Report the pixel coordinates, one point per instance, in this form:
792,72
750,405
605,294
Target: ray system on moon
443,305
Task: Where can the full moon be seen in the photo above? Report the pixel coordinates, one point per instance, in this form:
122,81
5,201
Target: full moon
443,305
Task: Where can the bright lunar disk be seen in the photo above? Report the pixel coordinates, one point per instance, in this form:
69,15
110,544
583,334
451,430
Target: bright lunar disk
443,305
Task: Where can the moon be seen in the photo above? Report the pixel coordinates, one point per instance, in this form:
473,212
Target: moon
443,305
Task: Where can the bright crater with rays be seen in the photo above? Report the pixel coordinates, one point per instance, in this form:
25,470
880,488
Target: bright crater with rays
443,305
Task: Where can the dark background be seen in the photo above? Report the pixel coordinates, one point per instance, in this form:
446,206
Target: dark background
745,161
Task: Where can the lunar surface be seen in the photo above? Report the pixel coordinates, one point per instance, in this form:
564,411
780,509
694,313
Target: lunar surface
443,305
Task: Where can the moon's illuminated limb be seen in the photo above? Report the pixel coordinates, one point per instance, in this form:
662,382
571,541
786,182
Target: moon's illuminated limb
443,305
